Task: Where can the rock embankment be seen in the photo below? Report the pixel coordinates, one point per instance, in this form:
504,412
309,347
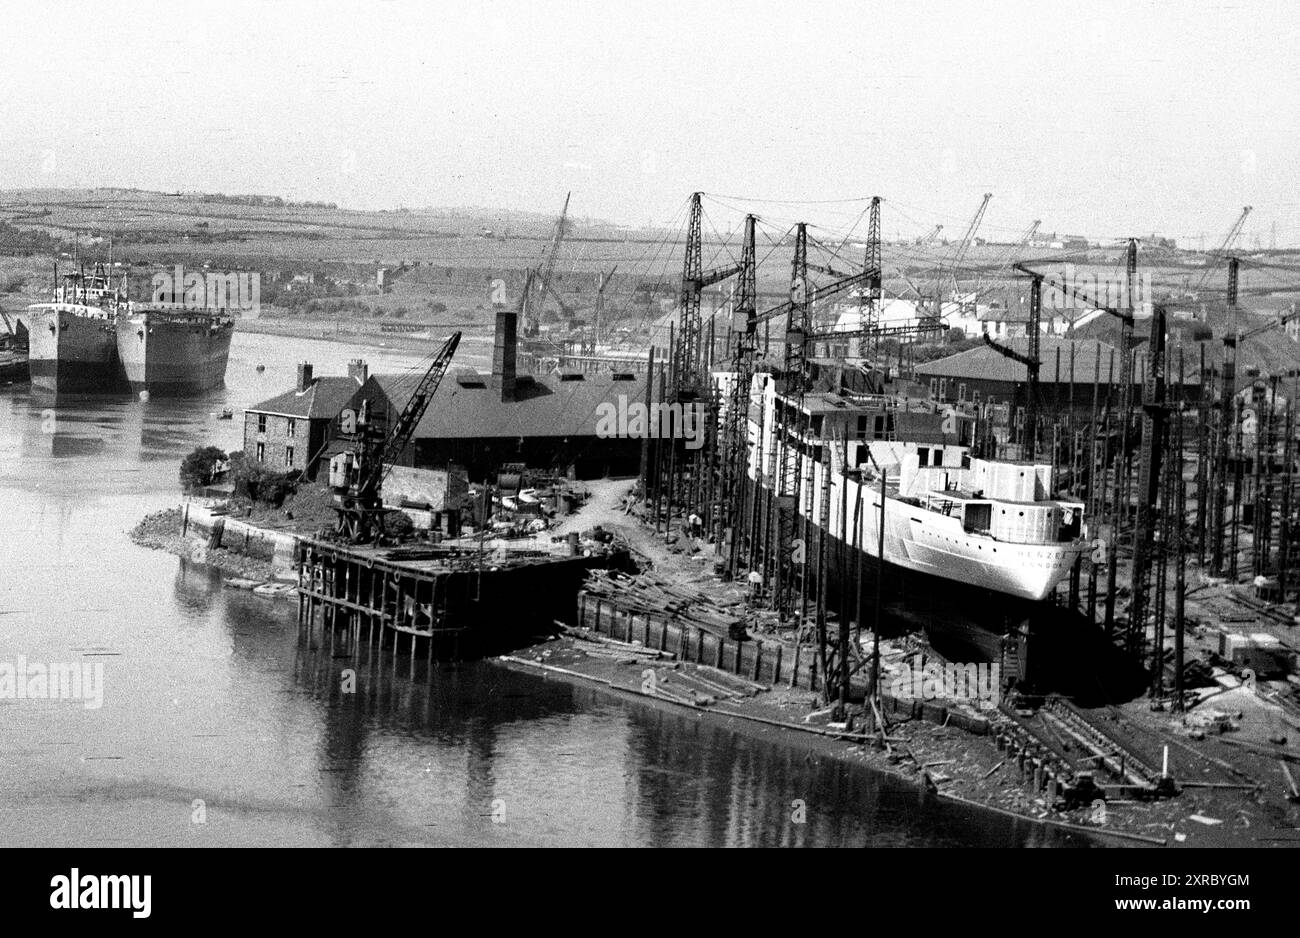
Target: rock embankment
162,531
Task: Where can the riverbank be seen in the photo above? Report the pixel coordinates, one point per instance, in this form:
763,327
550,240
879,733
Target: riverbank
168,531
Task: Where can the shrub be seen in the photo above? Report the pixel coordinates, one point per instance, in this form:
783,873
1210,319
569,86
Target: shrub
258,483
399,524
201,467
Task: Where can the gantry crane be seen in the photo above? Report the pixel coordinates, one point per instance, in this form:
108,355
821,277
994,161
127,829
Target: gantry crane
357,474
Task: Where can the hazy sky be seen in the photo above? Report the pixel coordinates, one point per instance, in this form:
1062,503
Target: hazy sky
1097,117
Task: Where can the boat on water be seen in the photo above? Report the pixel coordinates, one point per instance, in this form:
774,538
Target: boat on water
91,339
72,340
977,540
172,350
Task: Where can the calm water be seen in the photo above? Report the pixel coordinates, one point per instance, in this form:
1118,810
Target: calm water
208,697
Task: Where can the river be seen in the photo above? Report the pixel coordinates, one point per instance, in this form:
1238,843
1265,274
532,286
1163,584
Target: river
217,728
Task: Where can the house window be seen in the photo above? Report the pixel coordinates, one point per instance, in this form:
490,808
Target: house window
923,456
288,455
261,451
261,424
961,392
290,426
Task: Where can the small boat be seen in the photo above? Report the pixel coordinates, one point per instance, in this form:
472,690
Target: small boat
261,368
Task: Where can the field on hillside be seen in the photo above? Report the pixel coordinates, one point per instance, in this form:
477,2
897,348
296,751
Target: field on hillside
456,263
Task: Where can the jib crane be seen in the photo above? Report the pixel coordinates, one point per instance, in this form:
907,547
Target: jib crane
543,282
357,475
1233,233
969,237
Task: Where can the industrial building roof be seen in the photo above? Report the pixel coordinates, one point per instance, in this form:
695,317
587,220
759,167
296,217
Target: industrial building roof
986,364
467,406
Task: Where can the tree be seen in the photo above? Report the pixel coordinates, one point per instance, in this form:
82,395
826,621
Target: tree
201,467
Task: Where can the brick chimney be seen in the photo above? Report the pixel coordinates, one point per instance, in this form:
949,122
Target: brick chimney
503,354
358,370
304,376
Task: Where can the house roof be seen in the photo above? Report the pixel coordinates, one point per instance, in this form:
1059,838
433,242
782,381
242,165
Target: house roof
986,364
542,405
322,401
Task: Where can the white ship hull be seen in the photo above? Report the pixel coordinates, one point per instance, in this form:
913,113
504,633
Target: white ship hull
990,558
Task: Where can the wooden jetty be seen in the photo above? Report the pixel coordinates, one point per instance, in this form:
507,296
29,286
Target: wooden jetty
441,603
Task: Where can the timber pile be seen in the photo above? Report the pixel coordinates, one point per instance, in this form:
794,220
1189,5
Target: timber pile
647,594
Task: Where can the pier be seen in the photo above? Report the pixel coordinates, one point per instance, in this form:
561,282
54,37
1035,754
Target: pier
440,603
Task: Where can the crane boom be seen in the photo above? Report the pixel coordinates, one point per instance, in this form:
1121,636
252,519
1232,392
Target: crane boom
964,246
400,434
1233,233
357,476
543,282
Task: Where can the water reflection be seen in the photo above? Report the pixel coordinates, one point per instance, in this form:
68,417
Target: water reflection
211,696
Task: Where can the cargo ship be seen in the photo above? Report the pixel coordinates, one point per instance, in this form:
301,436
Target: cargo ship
967,540
91,339
72,340
171,350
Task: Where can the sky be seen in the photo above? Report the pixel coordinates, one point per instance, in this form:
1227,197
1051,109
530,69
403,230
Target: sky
1107,119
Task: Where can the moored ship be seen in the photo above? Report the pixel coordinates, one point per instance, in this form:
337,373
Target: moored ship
171,350
72,339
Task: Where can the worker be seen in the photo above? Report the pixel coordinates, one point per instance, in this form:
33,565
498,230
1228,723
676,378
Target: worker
697,525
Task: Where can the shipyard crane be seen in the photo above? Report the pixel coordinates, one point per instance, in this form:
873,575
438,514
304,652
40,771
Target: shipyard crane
545,278
603,279
1031,361
964,245
1233,233
931,237
357,475
688,367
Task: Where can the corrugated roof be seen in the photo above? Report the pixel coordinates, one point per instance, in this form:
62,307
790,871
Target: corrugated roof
986,364
322,401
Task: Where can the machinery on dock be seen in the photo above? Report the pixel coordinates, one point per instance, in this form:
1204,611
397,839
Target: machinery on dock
356,475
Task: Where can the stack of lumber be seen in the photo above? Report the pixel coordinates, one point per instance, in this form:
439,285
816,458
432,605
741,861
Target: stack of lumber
650,595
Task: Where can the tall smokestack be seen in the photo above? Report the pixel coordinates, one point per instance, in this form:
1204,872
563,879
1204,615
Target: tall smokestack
503,354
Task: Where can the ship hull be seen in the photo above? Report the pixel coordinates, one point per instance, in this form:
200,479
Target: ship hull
70,352
173,357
